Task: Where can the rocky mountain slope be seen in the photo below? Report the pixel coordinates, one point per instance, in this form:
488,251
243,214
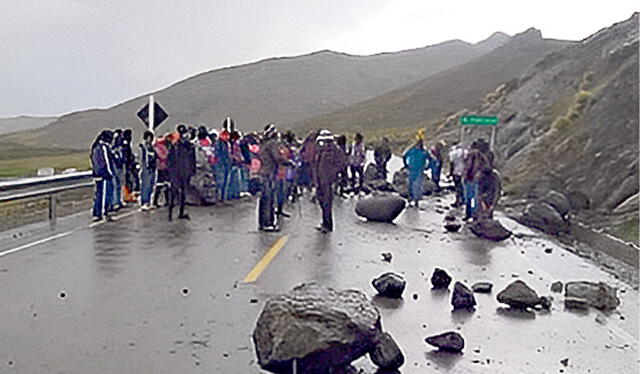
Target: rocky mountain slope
279,90
438,95
570,124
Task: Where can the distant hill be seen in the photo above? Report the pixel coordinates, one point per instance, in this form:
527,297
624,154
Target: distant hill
461,86
570,123
279,90
22,123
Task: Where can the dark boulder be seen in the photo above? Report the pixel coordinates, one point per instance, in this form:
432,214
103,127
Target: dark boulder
462,297
490,229
321,328
449,341
389,285
380,208
372,173
440,279
452,226
557,287
558,201
598,295
482,287
578,201
544,217
380,185
386,354
519,295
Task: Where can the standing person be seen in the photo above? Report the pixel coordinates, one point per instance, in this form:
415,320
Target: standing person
130,180
182,166
233,186
357,159
270,158
103,173
307,157
381,156
456,162
330,160
119,170
343,177
477,158
489,189
161,147
436,163
148,165
281,177
223,160
415,160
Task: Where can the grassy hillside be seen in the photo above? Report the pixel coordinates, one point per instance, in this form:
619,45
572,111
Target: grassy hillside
279,90
461,86
23,123
17,160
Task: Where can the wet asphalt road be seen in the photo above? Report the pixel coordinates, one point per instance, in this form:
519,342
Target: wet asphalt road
142,295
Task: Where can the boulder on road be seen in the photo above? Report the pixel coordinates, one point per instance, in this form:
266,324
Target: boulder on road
440,279
449,341
519,295
321,328
598,295
372,173
544,217
389,285
490,229
386,354
462,297
482,287
558,201
380,208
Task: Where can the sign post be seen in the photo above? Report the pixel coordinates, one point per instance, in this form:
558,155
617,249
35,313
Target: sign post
473,120
154,117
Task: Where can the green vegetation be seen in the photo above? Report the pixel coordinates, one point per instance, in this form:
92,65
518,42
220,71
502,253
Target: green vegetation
628,231
580,101
27,166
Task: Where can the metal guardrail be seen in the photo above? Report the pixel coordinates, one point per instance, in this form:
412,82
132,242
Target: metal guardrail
36,181
49,192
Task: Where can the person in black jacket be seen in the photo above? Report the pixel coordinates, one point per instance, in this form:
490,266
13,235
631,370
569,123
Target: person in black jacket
271,158
329,161
182,166
381,156
103,174
148,165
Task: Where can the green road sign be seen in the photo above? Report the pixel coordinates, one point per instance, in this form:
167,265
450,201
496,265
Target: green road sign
479,120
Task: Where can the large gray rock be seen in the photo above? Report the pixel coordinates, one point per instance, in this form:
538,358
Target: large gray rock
490,229
544,217
558,201
389,285
380,208
462,297
449,341
371,173
519,295
321,328
578,200
386,354
598,295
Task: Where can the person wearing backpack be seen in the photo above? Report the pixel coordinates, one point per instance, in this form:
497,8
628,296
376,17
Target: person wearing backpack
103,174
148,163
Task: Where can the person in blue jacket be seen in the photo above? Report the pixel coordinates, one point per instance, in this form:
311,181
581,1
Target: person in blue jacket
416,159
103,174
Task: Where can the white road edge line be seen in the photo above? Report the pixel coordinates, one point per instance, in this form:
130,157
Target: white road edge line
37,242
61,235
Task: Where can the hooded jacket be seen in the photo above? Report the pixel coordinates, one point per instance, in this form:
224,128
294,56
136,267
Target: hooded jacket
181,161
329,161
101,161
271,157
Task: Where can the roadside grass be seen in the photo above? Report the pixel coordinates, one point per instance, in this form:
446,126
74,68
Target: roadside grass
628,231
28,166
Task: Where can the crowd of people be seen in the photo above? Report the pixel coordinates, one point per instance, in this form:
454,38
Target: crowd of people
215,166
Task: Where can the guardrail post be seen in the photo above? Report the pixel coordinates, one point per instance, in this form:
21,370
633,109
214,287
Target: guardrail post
52,211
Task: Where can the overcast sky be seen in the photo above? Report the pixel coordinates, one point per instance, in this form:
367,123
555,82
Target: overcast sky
59,56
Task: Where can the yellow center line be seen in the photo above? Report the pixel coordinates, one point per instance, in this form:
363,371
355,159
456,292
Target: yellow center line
266,260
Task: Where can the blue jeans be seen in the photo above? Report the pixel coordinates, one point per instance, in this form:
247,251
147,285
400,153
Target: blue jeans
147,181
116,195
415,187
233,184
244,179
470,198
222,180
102,197
281,194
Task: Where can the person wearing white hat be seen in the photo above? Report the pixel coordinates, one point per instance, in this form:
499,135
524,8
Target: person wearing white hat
329,161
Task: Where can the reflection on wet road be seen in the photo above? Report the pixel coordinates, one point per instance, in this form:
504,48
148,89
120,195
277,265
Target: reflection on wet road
149,296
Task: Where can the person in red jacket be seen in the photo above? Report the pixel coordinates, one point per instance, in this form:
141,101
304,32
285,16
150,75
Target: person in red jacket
329,161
